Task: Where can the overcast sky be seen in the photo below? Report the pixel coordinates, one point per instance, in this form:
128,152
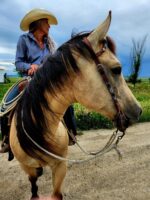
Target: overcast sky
130,19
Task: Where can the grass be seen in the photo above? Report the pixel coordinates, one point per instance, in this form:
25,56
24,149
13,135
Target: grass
142,93
5,86
90,120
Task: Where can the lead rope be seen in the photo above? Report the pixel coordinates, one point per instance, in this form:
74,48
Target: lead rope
108,147
116,135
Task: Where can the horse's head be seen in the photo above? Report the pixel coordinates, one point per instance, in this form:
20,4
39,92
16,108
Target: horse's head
91,86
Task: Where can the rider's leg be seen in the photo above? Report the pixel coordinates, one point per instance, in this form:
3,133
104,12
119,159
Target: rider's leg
5,134
70,122
5,146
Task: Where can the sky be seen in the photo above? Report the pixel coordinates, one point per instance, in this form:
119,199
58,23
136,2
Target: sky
130,20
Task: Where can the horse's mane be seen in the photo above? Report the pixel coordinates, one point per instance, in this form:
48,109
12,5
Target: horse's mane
50,76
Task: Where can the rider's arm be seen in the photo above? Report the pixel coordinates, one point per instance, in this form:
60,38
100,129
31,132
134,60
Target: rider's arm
21,56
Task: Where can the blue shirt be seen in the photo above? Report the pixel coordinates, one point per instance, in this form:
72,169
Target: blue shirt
29,52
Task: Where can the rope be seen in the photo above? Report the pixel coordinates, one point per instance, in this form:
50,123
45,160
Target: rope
93,156
110,141
7,106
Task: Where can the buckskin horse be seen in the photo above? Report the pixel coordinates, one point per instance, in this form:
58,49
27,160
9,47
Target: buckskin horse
86,70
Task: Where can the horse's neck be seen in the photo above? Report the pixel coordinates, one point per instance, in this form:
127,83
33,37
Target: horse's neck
58,104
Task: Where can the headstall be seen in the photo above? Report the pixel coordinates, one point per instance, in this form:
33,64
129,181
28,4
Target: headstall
120,119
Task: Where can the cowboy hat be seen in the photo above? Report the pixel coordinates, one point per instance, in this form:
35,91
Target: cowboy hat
35,15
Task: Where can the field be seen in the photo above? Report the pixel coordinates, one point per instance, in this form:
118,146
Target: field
90,120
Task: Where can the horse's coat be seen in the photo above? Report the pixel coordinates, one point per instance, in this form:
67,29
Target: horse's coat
68,76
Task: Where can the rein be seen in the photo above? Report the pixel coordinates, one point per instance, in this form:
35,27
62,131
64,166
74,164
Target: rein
108,147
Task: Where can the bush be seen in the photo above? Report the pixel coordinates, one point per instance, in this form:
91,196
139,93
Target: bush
90,120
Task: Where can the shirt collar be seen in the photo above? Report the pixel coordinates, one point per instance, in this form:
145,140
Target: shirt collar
30,35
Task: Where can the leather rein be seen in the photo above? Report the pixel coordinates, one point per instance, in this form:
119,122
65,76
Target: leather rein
120,119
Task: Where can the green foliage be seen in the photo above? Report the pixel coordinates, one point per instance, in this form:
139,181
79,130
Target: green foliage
142,93
5,86
90,120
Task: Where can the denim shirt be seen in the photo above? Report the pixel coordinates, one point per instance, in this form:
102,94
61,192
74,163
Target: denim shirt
29,52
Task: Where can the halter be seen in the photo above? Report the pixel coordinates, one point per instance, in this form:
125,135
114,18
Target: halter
120,119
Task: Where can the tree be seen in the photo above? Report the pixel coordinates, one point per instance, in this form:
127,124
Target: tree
137,53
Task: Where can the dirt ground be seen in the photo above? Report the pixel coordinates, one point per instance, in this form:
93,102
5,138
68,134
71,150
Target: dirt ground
104,178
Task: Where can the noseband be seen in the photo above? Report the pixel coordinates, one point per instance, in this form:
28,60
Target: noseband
120,119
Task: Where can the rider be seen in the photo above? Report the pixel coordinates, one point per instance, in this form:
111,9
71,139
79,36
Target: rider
32,49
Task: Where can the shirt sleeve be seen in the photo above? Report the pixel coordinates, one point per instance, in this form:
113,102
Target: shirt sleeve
20,61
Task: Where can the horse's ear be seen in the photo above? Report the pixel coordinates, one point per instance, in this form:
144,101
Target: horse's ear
100,32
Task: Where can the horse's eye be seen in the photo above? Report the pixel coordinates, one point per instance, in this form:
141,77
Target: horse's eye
116,70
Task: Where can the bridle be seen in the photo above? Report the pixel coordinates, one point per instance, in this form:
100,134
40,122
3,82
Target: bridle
120,119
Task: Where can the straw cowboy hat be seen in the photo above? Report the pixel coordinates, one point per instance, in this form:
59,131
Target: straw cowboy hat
35,15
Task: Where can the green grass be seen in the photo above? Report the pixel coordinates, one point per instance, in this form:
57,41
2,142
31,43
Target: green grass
90,120
5,86
142,93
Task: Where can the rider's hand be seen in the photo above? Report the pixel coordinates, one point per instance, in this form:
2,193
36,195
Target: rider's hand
33,69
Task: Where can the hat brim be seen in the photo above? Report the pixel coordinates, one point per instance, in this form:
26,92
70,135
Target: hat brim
35,15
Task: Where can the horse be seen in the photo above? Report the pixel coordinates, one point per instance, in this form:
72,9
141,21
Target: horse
71,75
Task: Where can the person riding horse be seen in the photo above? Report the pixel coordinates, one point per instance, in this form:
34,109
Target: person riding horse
85,70
32,50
